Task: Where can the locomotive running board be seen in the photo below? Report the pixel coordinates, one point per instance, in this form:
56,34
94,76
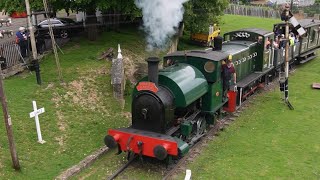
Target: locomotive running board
308,59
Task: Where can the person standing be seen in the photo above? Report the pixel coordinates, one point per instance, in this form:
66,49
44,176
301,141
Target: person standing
22,41
229,73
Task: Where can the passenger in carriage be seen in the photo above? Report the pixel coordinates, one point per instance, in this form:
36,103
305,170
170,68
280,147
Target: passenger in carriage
277,31
276,43
296,40
268,43
282,42
291,39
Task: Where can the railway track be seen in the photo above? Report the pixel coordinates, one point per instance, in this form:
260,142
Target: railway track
194,151
122,168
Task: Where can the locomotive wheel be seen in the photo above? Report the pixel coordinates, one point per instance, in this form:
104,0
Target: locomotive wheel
110,142
201,126
160,152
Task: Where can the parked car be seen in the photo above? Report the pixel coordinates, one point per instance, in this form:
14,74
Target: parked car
62,27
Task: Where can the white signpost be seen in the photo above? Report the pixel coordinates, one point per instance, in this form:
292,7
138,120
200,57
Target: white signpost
35,114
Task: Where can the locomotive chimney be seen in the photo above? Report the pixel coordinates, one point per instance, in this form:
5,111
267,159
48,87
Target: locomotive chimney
217,43
153,69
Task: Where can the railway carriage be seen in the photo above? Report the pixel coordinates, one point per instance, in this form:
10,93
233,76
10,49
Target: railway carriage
172,107
304,50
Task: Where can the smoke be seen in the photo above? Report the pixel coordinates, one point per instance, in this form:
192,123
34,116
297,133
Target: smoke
160,20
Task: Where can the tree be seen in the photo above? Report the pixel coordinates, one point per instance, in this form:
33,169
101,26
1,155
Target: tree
10,6
199,14
88,6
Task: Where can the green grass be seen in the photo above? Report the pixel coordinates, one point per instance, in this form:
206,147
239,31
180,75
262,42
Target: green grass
231,23
78,111
234,22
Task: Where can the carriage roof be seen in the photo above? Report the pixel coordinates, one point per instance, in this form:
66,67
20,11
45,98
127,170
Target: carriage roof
204,54
305,22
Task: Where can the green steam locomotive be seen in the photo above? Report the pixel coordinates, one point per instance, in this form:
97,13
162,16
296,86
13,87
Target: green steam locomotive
172,107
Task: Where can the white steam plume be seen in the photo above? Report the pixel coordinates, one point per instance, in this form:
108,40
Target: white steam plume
160,20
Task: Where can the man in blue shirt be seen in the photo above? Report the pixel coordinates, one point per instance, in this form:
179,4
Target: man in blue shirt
21,40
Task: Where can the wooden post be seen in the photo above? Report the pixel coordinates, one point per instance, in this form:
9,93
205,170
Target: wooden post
33,44
8,123
53,41
30,27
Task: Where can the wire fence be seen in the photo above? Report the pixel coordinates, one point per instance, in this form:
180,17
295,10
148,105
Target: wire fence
272,12
245,10
11,53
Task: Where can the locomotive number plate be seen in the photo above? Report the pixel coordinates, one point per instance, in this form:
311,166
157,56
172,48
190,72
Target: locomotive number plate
147,86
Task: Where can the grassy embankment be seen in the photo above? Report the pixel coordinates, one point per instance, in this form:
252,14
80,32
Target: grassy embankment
78,111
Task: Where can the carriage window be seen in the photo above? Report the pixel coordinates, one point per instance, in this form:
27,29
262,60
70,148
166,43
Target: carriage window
313,34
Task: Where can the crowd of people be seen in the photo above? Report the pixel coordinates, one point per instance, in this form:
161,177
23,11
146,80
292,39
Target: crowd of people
279,41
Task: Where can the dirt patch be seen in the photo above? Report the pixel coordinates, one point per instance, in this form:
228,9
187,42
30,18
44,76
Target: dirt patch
83,93
60,140
50,86
56,99
127,115
62,125
131,65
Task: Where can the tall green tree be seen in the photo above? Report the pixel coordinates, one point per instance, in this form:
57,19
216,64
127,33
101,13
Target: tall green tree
10,6
199,14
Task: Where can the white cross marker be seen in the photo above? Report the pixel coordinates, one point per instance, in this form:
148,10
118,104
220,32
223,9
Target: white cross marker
35,114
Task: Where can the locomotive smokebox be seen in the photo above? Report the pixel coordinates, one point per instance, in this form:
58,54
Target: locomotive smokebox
217,43
153,70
